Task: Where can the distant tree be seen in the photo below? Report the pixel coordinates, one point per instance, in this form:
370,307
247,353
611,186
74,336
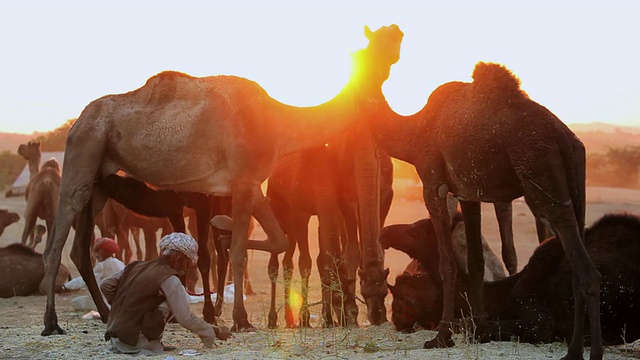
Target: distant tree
56,139
11,165
625,161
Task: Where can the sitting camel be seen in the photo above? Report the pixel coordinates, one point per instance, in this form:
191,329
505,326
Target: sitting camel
487,141
302,185
22,271
43,192
536,304
7,218
222,136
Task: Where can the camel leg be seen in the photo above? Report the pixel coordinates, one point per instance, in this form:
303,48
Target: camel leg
81,256
53,252
135,233
562,204
222,266
243,202
29,223
475,254
277,241
203,215
350,261
272,271
543,230
504,214
435,200
287,274
150,243
304,264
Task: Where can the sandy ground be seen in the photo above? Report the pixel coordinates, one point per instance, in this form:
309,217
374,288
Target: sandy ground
21,317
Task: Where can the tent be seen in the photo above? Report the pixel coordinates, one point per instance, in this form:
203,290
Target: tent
20,185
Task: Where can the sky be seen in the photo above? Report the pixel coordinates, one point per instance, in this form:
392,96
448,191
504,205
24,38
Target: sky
580,59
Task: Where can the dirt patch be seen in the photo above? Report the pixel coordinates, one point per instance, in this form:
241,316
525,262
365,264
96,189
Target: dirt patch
21,318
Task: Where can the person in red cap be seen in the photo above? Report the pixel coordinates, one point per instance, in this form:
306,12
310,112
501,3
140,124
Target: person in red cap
106,265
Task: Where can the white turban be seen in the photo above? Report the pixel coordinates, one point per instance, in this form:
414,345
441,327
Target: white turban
183,243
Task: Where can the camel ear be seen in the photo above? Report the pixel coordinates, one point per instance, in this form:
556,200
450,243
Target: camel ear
367,32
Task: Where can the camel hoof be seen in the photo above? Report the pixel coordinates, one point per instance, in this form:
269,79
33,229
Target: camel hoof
222,222
572,356
439,343
243,326
53,331
222,332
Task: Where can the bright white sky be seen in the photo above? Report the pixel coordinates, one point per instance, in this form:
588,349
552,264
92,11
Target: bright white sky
578,58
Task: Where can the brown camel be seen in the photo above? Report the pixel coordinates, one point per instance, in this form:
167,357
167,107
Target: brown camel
486,141
306,184
42,196
7,218
222,136
536,304
32,152
22,271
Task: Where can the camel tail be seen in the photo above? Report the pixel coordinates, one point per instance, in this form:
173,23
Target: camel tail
497,77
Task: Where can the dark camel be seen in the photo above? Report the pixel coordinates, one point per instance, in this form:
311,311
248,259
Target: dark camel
486,141
22,271
42,196
222,136
306,184
7,218
536,304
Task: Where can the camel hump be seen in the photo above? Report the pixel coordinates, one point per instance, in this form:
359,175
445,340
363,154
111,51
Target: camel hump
17,248
496,76
52,163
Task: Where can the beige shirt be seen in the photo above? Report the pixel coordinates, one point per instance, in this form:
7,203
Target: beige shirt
176,303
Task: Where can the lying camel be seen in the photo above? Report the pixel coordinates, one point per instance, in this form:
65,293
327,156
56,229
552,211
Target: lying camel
42,194
536,304
22,271
7,218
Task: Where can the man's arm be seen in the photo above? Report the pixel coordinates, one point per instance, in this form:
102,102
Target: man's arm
109,286
177,300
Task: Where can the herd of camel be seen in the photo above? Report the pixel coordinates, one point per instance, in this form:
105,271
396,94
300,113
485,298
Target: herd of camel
484,141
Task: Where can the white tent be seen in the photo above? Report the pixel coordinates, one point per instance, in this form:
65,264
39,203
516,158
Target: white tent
20,185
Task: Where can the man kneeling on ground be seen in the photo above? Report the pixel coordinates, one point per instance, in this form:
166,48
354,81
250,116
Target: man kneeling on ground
145,294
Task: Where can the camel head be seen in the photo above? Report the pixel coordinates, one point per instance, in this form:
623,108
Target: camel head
30,149
372,65
373,286
7,217
51,163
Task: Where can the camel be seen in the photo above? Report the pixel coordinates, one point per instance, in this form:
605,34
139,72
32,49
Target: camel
137,206
306,184
42,196
222,136
487,141
536,304
22,271
32,152
413,239
7,218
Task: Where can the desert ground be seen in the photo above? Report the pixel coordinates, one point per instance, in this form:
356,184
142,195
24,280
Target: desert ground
21,317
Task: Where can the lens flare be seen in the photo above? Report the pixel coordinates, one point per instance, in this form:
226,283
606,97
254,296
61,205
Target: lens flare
295,301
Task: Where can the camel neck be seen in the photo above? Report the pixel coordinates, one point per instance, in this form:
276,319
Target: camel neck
394,133
307,127
34,165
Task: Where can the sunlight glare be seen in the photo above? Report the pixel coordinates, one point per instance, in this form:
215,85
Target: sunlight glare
295,301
